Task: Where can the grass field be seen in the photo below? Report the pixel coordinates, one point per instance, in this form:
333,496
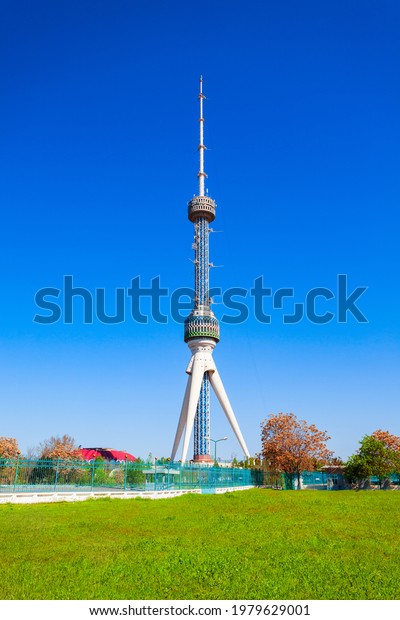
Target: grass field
256,544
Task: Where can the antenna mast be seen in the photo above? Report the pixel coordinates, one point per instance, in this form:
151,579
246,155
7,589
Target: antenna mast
201,174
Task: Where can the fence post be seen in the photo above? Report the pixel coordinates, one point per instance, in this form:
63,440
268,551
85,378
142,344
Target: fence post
91,486
125,474
16,473
55,481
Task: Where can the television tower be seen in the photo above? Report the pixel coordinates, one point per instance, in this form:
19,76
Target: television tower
202,333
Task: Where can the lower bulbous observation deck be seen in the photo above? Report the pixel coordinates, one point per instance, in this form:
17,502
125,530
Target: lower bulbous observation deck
201,206
201,325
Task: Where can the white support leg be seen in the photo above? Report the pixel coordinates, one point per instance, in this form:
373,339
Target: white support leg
195,387
201,362
183,418
219,390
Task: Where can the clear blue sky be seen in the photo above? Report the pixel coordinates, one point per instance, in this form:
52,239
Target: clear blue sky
98,153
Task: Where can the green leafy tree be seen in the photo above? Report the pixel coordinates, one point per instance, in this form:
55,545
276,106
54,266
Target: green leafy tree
135,477
252,462
374,458
357,470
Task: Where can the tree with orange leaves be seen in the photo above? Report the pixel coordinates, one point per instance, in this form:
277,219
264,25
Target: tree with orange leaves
63,448
9,448
292,446
392,442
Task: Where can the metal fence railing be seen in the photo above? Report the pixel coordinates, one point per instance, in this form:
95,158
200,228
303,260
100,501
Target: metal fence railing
23,475
330,481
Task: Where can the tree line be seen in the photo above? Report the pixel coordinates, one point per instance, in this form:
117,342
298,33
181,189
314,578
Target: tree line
63,448
292,446
288,445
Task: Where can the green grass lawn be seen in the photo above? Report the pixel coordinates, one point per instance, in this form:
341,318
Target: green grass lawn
257,544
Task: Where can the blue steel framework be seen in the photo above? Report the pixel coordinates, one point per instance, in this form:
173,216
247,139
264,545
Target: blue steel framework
202,300
202,421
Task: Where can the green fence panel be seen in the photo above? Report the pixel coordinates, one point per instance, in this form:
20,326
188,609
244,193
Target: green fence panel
24,475
20,475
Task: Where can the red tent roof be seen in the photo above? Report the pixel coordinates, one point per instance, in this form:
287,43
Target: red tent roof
89,454
118,455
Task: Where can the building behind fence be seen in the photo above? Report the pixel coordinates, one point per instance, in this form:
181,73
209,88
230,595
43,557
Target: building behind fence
23,475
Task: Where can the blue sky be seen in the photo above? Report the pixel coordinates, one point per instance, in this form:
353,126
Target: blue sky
98,153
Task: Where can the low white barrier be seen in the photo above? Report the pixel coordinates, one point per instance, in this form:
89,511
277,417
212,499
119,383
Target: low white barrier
230,489
78,496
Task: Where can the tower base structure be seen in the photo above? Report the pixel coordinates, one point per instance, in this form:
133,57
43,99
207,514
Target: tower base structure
203,458
201,362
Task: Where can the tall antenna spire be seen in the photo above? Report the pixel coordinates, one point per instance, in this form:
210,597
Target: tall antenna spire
201,174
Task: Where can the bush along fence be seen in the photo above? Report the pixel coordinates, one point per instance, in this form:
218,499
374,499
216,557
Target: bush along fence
20,475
